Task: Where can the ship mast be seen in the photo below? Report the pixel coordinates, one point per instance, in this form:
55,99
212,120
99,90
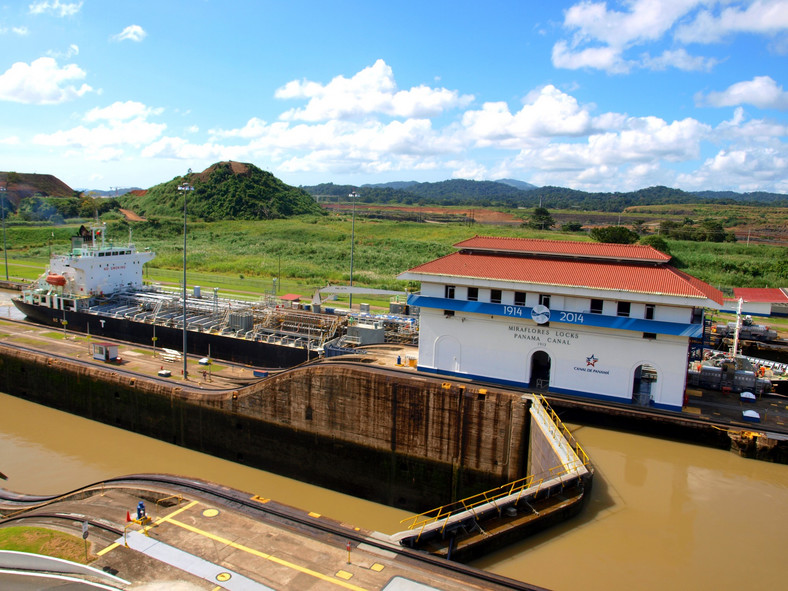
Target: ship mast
735,348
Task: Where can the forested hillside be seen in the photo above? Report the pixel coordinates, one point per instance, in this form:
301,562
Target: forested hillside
225,191
503,194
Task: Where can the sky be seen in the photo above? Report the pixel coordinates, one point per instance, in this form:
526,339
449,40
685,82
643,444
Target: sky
595,96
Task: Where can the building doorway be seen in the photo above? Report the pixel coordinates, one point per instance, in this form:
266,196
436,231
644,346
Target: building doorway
448,353
540,371
643,384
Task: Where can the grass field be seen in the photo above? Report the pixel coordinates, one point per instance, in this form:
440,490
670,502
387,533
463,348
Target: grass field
38,540
243,259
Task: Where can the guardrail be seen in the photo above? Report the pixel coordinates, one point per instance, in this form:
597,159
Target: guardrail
511,492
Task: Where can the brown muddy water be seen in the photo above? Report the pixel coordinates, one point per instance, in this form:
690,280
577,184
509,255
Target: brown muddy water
660,514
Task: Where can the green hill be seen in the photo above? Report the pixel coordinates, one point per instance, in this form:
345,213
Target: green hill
224,191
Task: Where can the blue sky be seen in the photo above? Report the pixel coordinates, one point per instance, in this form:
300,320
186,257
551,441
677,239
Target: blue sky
590,95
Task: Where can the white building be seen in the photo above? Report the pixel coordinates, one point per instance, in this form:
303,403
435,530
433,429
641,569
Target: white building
607,321
758,301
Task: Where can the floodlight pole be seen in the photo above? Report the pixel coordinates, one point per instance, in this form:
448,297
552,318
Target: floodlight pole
353,195
5,246
185,188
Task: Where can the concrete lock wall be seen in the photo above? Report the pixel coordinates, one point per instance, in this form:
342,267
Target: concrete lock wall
413,443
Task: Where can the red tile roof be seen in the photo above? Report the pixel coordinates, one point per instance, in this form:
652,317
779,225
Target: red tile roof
564,248
602,275
769,295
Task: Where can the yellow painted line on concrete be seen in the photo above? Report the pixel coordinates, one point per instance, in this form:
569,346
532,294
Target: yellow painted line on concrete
692,410
343,574
264,555
176,512
173,514
112,546
312,514
377,567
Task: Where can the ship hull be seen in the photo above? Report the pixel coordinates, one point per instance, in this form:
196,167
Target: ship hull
218,346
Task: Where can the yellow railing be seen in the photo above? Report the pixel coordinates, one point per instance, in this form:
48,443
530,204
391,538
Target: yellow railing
471,503
563,429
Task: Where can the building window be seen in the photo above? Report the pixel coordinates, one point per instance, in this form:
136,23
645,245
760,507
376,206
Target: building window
544,300
623,308
596,306
649,311
519,298
495,296
449,292
473,294
651,336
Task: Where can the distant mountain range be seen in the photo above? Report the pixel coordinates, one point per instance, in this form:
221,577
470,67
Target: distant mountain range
114,192
233,190
514,193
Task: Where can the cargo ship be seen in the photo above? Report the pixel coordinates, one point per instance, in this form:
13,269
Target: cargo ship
97,288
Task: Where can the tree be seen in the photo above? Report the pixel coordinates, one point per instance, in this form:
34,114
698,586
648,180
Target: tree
614,234
572,227
639,226
541,219
656,242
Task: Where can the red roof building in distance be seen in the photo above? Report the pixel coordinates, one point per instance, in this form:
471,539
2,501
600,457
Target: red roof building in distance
758,301
771,295
610,321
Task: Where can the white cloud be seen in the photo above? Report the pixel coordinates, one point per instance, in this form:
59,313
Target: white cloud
600,58
745,169
760,17
21,31
547,112
120,111
373,90
41,82
762,92
602,36
55,7
119,126
630,158
131,33
180,149
646,20
72,50
11,140
679,59
135,132
610,32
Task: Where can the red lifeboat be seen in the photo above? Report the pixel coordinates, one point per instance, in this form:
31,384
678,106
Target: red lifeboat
55,279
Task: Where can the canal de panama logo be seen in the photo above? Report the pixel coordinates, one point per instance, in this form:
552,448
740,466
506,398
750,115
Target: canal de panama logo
590,367
540,314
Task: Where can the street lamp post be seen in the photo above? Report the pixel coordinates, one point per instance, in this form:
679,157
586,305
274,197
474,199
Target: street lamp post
353,195
5,246
185,188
